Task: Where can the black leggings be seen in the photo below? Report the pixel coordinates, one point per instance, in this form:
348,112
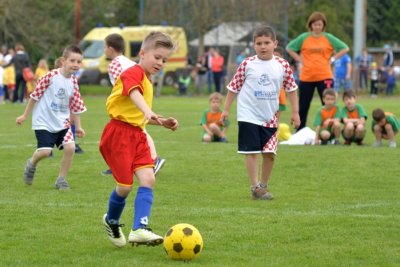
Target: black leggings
306,93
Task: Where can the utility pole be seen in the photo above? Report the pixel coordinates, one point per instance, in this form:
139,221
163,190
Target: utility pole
77,21
359,34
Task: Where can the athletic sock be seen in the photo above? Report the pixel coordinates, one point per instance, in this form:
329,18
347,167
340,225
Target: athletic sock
73,130
143,203
116,205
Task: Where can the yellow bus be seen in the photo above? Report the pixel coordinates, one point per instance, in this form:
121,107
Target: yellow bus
95,63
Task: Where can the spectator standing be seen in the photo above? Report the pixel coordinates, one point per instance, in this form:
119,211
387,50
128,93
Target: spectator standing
390,81
374,79
217,68
363,62
315,50
342,67
9,75
200,79
20,61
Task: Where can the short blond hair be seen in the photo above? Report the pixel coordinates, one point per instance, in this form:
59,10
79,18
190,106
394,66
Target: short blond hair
216,96
157,39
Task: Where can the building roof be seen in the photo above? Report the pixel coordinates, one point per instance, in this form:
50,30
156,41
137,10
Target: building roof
227,34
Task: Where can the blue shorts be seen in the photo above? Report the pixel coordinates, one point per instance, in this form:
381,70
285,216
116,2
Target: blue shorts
256,139
47,140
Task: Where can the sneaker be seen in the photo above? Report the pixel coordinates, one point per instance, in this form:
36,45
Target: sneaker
223,140
336,142
106,172
78,149
29,172
158,164
324,142
377,144
261,193
347,142
144,236
360,142
392,144
114,233
62,184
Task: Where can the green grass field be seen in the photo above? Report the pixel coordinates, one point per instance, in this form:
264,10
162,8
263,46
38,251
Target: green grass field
333,205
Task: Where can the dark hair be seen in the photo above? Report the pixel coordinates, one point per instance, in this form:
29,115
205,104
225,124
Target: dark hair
264,30
71,49
349,94
315,16
378,114
329,91
116,41
280,50
157,39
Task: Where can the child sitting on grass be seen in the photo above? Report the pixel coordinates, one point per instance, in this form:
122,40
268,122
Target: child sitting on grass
327,120
353,118
214,129
385,126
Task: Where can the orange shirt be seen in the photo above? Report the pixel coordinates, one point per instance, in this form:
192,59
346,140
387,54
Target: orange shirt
316,53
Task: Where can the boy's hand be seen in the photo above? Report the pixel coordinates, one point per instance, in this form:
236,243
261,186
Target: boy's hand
151,116
170,123
295,120
80,132
224,117
20,120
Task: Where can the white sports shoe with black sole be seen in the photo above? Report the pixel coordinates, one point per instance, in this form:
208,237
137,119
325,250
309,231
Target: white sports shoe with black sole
114,233
144,236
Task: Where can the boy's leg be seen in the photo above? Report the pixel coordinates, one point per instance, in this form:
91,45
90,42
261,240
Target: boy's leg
30,167
116,204
336,132
252,168
140,233
66,162
378,136
158,161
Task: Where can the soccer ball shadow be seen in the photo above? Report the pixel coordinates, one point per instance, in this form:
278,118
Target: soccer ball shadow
183,242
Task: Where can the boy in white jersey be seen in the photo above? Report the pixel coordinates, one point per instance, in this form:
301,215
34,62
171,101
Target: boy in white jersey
114,50
56,97
256,84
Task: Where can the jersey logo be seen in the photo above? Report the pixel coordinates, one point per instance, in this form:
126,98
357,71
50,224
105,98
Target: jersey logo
61,94
264,80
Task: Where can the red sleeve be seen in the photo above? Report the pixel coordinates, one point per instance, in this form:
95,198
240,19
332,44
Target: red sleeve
132,79
42,85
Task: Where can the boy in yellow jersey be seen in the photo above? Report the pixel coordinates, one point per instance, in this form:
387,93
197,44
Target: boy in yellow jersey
327,120
124,145
214,128
353,118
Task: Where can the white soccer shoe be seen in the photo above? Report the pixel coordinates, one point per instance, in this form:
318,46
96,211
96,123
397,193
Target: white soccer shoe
114,233
144,236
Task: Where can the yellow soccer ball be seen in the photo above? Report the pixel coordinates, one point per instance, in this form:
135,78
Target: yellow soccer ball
183,242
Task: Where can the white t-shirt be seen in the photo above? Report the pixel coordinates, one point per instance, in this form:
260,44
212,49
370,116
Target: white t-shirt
57,97
257,83
117,66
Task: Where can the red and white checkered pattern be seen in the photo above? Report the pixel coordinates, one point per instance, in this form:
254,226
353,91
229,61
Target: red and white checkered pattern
118,65
272,144
68,137
57,97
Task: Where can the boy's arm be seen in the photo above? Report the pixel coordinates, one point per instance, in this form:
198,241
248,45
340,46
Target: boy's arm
27,112
76,118
169,123
228,102
138,99
295,118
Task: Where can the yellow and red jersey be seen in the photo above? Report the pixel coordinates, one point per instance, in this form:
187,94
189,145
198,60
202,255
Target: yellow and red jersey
119,104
